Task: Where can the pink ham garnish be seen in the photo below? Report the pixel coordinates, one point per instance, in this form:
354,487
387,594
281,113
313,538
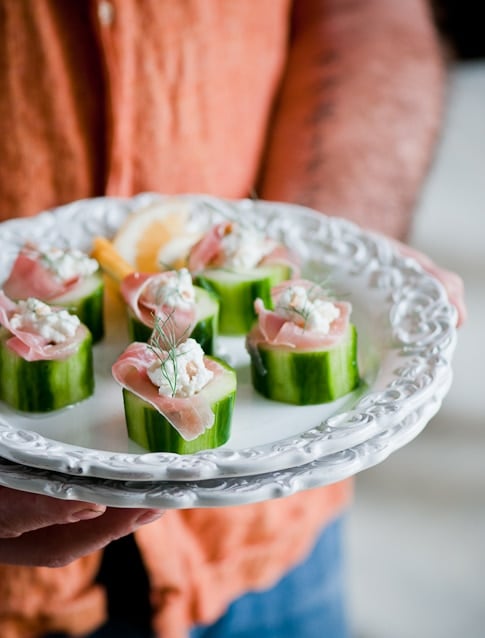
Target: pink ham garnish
272,329
30,278
190,416
132,288
32,346
208,252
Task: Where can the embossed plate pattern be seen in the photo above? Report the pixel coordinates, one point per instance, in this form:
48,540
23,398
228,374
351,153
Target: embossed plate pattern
406,340
223,491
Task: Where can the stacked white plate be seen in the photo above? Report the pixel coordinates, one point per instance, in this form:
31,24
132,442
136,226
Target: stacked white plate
407,335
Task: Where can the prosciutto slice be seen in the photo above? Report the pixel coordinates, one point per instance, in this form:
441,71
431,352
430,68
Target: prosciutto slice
275,330
30,345
208,252
133,289
190,416
29,277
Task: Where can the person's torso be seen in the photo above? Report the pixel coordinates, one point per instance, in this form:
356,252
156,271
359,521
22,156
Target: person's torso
121,97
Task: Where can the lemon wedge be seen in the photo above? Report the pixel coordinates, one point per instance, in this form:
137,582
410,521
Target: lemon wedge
156,237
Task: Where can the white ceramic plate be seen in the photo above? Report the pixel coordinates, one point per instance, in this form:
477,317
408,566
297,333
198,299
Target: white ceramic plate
223,491
406,340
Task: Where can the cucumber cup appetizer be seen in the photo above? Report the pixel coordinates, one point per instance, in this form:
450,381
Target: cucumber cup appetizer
63,278
152,297
305,350
176,399
46,360
193,311
239,264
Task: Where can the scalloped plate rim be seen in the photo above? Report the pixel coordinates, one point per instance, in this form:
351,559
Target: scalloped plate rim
222,462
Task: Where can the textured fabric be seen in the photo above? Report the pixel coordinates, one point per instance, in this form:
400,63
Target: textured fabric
308,602
198,561
83,114
35,600
151,100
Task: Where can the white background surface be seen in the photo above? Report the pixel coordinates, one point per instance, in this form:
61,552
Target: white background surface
417,529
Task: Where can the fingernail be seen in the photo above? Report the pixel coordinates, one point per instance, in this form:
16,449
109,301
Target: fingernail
148,517
87,513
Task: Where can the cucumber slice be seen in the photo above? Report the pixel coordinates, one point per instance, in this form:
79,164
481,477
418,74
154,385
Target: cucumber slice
305,377
150,429
207,316
86,301
43,386
205,330
237,291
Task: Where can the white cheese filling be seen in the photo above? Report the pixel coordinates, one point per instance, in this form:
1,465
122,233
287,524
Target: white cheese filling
182,373
54,325
244,247
68,264
171,289
307,308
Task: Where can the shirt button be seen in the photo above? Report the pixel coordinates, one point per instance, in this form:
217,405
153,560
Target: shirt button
106,13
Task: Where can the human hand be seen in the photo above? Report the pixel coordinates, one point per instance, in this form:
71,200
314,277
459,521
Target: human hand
452,282
44,531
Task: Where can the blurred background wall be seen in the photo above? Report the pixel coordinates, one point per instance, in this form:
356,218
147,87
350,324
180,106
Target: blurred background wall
417,531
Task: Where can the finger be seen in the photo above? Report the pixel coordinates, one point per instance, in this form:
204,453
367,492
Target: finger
455,289
452,283
22,512
61,544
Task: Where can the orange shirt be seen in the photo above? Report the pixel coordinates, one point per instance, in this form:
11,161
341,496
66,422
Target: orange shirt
117,98
121,97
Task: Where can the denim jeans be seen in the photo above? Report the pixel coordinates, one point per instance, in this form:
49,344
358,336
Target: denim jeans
308,602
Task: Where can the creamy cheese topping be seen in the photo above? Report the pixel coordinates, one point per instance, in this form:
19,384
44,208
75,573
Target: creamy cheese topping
182,373
171,289
55,325
307,308
68,264
245,247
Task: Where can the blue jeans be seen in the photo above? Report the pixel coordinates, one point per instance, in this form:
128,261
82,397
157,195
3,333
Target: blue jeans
306,603
309,602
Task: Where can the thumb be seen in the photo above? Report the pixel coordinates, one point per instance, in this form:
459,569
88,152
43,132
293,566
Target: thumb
22,512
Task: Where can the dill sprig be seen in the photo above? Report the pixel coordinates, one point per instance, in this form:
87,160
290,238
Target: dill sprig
163,343
327,287
49,262
323,286
229,216
303,312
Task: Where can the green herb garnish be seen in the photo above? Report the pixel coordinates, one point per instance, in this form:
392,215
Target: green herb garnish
164,343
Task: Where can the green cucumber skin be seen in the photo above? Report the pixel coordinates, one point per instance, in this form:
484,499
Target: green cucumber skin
44,386
237,314
137,330
204,332
307,377
89,309
206,329
147,427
